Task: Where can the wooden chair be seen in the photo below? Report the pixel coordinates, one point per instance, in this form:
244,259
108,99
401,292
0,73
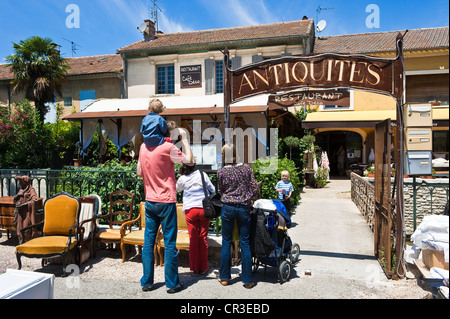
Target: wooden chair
182,236
61,213
90,210
134,237
120,211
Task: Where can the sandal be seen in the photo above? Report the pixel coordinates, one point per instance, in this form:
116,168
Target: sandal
223,282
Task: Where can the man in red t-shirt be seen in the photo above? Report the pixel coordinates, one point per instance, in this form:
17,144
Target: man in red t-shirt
156,167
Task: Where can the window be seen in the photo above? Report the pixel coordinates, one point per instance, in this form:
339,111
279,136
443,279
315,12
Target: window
219,76
166,79
68,101
440,141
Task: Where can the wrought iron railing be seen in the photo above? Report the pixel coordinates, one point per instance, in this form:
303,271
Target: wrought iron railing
432,188
79,182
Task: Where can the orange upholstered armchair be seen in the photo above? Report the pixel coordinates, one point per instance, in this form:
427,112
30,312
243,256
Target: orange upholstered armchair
129,236
60,224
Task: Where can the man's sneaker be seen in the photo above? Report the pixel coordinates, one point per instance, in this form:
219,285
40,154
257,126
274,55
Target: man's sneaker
176,289
147,288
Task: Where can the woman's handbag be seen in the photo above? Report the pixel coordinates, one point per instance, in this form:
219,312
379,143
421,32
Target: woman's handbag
212,205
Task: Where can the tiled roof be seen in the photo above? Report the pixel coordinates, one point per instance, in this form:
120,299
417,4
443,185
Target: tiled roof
416,39
82,66
206,38
95,64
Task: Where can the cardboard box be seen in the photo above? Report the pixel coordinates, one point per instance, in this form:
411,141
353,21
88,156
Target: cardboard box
434,258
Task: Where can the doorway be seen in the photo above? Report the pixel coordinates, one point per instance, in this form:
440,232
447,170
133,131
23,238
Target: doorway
330,142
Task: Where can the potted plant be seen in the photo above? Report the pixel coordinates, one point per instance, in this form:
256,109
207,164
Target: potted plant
320,177
370,171
435,103
393,172
77,161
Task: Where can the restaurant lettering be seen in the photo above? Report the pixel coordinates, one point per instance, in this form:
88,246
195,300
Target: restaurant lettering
305,98
326,71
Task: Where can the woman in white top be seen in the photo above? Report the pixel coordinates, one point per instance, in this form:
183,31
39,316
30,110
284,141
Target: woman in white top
190,182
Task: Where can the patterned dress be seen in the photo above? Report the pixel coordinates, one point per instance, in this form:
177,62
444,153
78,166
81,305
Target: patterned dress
237,184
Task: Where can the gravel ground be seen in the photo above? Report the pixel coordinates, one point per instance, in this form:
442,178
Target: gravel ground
336,273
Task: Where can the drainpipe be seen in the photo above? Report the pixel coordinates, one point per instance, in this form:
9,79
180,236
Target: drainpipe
124,76
120,76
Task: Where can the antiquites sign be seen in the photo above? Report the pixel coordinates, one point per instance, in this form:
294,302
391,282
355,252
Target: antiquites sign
323,71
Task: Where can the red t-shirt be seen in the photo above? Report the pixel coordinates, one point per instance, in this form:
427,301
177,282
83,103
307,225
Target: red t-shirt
158,171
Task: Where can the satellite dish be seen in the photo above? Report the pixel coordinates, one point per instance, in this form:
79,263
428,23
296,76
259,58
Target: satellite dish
142,27
321,25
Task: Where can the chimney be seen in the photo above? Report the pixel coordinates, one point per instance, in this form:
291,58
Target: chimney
149,33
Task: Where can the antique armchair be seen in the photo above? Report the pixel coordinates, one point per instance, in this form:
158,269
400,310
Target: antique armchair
60,236
135,237
120,211
90,210
182,236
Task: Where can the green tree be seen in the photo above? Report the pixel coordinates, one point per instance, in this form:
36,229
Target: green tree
39,70
24,141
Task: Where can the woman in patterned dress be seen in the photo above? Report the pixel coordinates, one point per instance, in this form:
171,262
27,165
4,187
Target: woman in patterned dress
238,187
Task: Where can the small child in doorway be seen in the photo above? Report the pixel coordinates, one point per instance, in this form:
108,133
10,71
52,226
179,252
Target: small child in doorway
154,127
284,189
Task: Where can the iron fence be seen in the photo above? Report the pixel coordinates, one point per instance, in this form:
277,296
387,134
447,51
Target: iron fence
79,182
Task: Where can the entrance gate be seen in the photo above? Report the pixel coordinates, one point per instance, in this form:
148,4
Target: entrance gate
384,204
360,72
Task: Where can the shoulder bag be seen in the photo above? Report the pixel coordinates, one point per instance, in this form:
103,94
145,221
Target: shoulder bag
212,205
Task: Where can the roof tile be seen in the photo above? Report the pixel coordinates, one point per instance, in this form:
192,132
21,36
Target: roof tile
416,39
81,65
206,37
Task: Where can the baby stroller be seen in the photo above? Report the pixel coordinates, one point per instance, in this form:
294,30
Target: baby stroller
269,242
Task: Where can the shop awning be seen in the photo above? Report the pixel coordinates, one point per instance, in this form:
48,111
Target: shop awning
350,119
360,119
177,105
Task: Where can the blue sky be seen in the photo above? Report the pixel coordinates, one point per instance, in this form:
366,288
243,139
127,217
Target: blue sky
107,25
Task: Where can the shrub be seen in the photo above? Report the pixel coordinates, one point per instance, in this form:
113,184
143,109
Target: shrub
270,180
24,141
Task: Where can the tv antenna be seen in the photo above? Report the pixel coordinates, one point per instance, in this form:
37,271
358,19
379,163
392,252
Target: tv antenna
74,46
321,24
154,12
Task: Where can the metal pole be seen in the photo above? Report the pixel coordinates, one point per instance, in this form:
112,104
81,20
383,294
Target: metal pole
399,136
227,89
414,202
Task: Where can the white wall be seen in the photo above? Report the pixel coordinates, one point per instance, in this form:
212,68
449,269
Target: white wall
142,71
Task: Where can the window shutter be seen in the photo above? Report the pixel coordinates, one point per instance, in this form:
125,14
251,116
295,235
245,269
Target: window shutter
209,76
256,58
236,63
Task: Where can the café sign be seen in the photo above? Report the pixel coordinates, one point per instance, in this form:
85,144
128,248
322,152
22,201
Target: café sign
191,76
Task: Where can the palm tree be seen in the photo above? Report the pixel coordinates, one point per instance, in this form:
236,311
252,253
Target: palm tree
39,70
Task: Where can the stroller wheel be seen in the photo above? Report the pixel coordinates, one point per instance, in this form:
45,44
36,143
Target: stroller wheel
295,253
255,264
284,271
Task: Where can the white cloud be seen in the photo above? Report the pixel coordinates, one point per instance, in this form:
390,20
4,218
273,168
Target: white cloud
167,25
